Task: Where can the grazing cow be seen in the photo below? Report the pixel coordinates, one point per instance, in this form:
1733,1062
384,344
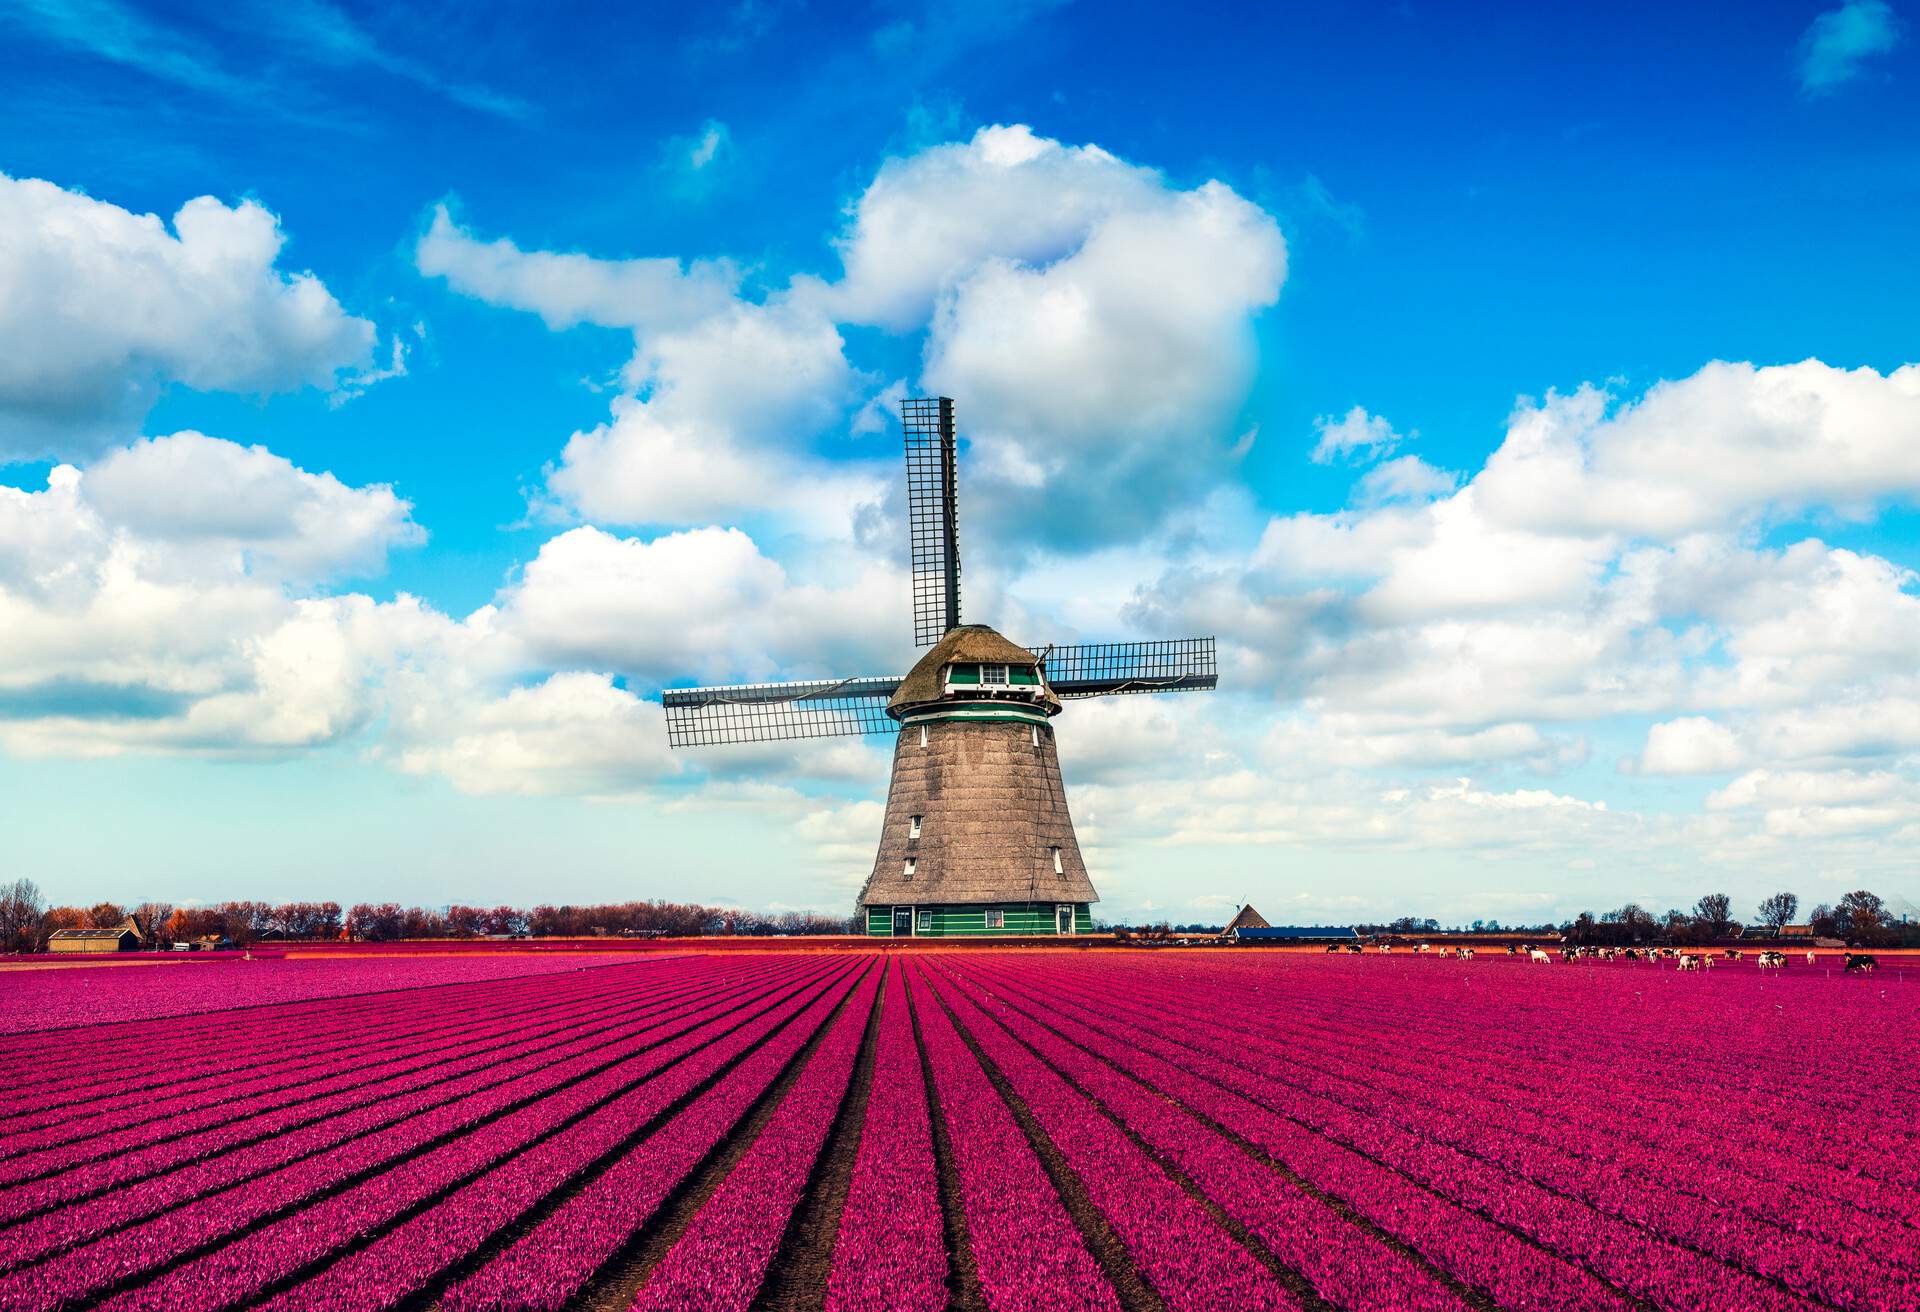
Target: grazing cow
1688,962
1465,954
1772,961
1860,963
1424,947
1354,948
1812,959
1384,947
1629,954
1535,954
1710,962
1512,951
1333,947
1731,954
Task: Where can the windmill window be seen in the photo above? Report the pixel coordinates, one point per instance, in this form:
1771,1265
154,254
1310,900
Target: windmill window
926,921
911,863
1058,869
996,920
916,828
996,675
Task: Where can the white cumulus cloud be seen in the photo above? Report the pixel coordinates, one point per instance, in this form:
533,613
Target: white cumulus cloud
105,307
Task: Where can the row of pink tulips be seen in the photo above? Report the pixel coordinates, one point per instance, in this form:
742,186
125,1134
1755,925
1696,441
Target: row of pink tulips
1027,1253
720,1261
245,1201
1178,1249
1816,1119
112,1000
204,1162
231,1045
1639,1263
1351,1266
328,1229
890,1252
550,1265
464,1216
1811,1263
113,1132
1473,1248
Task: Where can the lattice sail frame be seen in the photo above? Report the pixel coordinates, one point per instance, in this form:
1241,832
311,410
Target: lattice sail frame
828,708
933,516
1100,669
778,712
832,708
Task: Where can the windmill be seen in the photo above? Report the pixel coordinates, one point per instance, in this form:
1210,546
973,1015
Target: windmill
977,837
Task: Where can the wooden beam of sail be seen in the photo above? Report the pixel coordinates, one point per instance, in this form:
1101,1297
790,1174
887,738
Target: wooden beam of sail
774,712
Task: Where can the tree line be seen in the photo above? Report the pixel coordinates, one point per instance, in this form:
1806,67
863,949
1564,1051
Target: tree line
26,921
1859,919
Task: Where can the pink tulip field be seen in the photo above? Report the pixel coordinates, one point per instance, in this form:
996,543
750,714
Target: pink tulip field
1005,1129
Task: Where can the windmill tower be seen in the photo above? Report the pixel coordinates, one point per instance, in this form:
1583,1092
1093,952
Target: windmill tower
977,837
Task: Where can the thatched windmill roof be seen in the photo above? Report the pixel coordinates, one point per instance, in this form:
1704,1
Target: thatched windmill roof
970,643
1247,918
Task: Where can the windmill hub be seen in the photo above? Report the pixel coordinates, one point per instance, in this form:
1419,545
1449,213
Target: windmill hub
977,837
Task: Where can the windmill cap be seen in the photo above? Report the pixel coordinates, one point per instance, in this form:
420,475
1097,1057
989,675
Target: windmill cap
967,644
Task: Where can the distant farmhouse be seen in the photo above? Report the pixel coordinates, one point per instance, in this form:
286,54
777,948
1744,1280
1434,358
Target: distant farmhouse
1249,926
123,937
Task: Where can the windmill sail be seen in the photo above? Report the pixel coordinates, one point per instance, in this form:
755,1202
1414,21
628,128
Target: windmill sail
1101,668
773,712
933,525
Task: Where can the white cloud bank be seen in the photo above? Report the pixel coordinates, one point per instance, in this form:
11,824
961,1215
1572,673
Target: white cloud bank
105,307
1607,571
1096,320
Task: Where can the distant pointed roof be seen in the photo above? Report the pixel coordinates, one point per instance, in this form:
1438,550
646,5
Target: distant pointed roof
968,643
1247,918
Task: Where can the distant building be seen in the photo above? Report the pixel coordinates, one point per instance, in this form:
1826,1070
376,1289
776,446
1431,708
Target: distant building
123,937
1296,934
1246,918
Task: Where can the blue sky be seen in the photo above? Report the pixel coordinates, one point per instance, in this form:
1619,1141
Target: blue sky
566,338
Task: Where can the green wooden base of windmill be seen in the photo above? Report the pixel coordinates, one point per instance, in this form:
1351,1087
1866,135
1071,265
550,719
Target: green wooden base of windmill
977,839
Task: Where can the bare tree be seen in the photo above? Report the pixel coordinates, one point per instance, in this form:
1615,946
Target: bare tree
1776,913
153,917
1714,913
21,907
